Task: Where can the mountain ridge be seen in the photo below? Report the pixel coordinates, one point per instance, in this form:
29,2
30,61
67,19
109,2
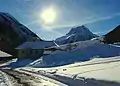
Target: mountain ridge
13,33
113,36
80,33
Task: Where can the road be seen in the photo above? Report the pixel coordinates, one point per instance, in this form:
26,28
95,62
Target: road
24,77
75,81
17,78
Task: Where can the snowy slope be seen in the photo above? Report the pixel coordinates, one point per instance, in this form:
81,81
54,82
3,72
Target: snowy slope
84,52
103,69
96,72
80,33
79,52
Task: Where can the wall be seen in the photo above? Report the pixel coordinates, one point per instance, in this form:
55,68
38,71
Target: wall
30,53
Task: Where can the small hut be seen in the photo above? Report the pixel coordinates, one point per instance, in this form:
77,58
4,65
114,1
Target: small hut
33,49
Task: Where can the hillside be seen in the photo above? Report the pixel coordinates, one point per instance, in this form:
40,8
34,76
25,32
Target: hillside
12,33
113,36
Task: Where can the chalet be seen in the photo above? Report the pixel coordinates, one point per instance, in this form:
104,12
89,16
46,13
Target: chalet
34,49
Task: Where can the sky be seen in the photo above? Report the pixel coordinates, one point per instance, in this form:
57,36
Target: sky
100,16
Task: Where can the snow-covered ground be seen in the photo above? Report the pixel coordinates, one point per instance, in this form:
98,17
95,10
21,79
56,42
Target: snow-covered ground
78,52
10,77
96,72
87,63
71,53
4,81
102,69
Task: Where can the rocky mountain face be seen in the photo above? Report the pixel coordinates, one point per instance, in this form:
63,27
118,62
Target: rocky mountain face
12,33
113,36
80,33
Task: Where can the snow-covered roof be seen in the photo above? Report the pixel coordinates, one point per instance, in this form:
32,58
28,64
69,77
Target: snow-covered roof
36,45
3,54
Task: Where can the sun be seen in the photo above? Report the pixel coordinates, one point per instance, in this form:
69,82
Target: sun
48,15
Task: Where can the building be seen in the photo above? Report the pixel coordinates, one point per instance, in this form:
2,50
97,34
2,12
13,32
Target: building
34,49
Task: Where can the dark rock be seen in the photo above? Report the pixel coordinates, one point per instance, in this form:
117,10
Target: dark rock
113,36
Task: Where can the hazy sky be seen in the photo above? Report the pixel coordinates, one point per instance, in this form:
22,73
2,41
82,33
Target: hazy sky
100,16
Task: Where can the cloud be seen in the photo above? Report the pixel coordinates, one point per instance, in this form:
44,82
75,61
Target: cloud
74,24
69,25
87,21
103,18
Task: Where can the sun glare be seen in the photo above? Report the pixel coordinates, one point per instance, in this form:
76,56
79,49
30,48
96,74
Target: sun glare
48,16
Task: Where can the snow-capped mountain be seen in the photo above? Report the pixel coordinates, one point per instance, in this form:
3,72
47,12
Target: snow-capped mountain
12,33
80,33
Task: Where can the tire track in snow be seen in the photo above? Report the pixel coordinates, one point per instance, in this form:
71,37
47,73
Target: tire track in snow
21,79
76,81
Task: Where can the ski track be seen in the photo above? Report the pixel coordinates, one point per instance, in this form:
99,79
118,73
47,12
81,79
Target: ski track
4,81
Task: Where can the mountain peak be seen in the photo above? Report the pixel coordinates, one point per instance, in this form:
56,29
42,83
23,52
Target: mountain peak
79,30
80,33
82,26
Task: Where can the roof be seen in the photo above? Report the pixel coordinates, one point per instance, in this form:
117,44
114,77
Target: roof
36,45
3,54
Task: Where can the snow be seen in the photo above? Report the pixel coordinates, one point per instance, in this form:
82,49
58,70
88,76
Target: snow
79,52
96,72
47,79
70,36
99,65
18,63
83,52
8,62
106,69
3,54
80,33
4,81
116,45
